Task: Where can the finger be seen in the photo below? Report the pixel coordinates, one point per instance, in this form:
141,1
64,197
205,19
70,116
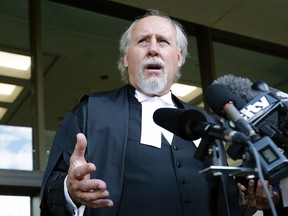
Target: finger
86,190
241,194
80,146
261,195
94,199
251,193
82,171
77,180
270,188
241,189
276,198
91,185
259,189
251,187
95,194
264,192
77,157
99,203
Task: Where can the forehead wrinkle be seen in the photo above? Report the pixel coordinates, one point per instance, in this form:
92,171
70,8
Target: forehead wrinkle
154,25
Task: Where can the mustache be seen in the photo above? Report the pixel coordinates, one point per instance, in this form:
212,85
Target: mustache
153,61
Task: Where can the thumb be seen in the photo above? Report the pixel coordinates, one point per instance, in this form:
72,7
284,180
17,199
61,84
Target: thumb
77,157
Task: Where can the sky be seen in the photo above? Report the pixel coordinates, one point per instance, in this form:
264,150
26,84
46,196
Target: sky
8,206
15,147
15,153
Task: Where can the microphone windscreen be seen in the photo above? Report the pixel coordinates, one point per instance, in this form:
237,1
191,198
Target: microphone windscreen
181,122
238,86
217,95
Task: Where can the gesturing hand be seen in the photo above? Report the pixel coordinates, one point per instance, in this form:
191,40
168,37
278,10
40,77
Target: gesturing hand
257,198
82,189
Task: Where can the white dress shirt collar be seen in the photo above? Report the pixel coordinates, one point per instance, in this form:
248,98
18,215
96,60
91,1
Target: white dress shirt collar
151,132
167,98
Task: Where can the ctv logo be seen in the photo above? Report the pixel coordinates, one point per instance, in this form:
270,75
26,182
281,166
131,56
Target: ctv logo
254,110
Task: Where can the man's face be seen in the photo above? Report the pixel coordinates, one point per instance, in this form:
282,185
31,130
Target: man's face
153,58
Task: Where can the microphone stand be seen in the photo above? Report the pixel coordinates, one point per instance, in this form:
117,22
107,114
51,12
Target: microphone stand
218,160
218,168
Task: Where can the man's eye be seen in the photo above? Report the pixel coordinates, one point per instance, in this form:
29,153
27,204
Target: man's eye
163,42
143,41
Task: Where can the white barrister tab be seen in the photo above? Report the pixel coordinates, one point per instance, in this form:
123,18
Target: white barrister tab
150,131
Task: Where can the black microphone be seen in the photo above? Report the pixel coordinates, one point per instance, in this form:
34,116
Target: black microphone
252,92
282,117
191,124
273,162
260,85
260,99
179,121
222,102
265,108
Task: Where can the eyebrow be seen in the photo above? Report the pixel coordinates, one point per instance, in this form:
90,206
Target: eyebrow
149,35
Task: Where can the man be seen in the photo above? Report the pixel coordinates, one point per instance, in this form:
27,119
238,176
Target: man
123,163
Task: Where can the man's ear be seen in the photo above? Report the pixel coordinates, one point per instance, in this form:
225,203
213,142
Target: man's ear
180,59
125,61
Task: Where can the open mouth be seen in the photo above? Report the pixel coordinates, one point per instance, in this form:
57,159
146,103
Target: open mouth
154,67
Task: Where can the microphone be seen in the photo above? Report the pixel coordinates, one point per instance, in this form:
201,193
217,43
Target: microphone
265,108
275,133
191,124
221,101
282,111
274,163
238,86
260,85
258,97
179,121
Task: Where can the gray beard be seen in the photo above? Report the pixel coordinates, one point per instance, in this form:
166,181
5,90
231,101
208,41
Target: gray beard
153,84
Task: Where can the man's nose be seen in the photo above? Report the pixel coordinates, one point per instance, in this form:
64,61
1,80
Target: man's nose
153,48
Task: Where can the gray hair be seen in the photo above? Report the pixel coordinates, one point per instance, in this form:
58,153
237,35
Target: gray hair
181,40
